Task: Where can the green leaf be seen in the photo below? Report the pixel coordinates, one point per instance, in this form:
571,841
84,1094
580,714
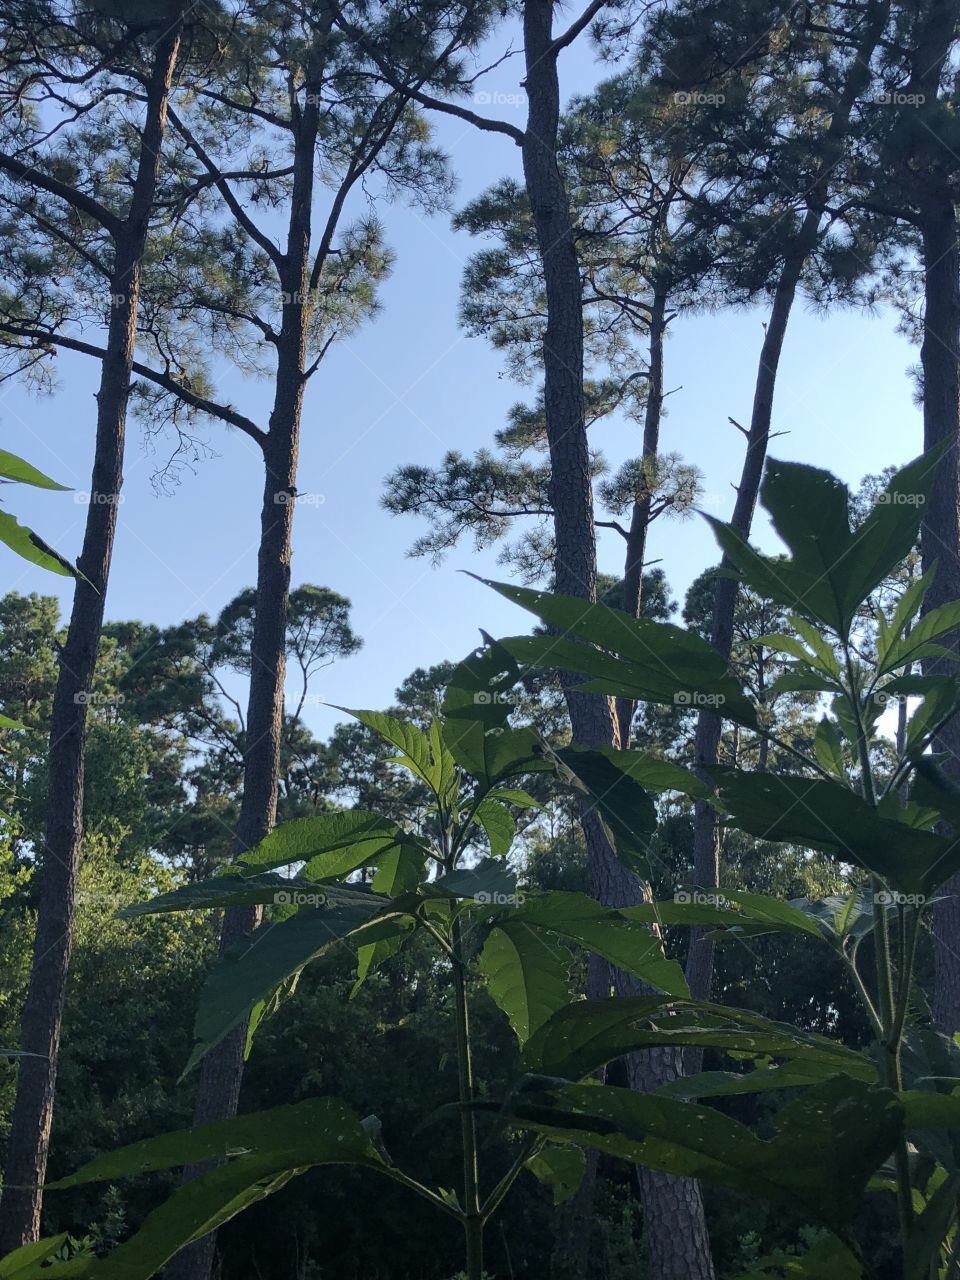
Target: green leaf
481,689
831,569
305,838
827,1142
624,807
827,1258
907,608
654,773
818,814
32,547
828,748
425,756
584,1036
499,825
723,1084
261,961
606,932
14,468
24,1263
399,870
223,891
733,909
372,956
489,882
560,1168
526,975
916,645
268,1148
647,661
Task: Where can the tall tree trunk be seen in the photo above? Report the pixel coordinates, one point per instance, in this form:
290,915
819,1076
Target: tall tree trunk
640,515
940,358
675,1226
29,1140
706,848
221,1072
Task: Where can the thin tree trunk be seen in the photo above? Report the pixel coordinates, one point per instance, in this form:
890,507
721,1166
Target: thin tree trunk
940,360
640,516
706,848
29,1140
676,1234
940,357
221,1072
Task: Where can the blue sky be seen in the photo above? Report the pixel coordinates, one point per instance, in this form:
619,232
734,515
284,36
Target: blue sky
408,387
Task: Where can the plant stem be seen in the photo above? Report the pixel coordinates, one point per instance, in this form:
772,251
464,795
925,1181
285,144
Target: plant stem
527,1149
473,1214
891,1024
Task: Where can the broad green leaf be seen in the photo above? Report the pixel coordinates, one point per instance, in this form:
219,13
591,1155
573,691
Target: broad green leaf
371,956
489,882
266,1150
14,468
499,825
722,1084
940,696
827,1142
584,1036
24,1263
911,648
516,796
526,975
425,756
731,908
818,814
257,1133
828,748
624,807
651,772
481,689
647,661
907,608
831,569
607,932
305,838
399,870
224,891
7,723
560,1168
929,1230
32,547
261,961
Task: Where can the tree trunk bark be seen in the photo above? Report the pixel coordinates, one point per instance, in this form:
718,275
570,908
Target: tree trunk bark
29,1140
940,360
940,540
676,1235
221,1071
640,516
706,849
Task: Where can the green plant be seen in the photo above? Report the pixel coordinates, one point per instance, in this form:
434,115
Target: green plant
876,808
880,1120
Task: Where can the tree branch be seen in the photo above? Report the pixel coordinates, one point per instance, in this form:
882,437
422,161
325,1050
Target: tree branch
76,199
211,407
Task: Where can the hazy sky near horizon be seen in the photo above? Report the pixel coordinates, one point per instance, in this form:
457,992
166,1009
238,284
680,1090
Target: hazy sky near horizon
408,387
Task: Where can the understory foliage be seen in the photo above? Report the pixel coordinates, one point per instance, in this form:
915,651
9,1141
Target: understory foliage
399,948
